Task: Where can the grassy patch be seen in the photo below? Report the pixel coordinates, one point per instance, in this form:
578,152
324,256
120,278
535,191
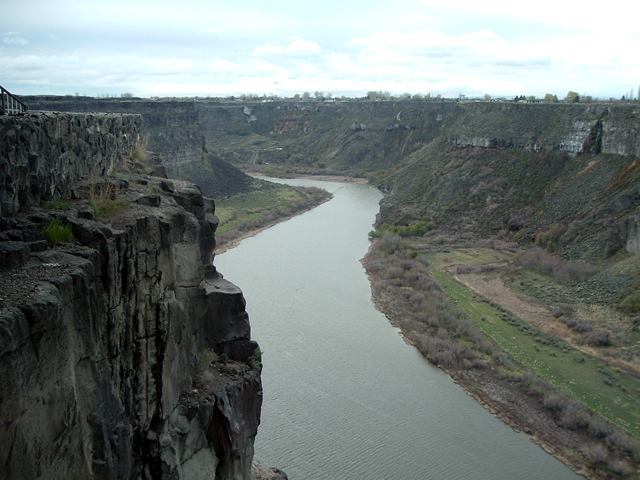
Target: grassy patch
57,232
55,205
104,200
266,204
601,388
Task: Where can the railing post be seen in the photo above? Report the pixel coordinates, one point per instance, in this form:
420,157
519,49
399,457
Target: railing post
4,102
11,105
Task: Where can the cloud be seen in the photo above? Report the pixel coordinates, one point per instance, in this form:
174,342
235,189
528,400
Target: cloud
15,41
298,47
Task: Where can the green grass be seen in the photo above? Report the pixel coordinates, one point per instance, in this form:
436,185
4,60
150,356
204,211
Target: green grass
248,206
55,205
601,388
56,232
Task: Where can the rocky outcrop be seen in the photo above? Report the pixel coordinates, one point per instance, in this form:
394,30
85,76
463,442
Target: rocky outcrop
43,155
124,354
172,129
572,128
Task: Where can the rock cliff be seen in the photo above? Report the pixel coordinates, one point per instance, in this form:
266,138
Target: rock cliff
123,354
172,129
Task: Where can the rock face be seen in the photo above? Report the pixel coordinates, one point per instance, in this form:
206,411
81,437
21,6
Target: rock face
43,155
124,355
173,130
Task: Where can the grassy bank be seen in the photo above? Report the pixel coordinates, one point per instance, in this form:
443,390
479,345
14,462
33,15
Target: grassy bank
569,396
266,204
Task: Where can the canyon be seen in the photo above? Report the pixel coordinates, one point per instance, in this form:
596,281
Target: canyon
174,374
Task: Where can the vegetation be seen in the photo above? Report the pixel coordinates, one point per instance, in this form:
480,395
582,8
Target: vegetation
55,205
57,232
464,332
255,360
266,204
104,201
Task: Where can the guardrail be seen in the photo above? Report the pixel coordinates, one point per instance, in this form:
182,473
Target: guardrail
9,104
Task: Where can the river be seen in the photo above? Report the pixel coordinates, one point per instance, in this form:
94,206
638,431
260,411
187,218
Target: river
345,398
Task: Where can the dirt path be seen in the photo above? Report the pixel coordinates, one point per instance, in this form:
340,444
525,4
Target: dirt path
532,311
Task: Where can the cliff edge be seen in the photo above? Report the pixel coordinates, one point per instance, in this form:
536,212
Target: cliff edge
123,354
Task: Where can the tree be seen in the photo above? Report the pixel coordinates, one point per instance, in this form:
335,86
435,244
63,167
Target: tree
572,97
549,97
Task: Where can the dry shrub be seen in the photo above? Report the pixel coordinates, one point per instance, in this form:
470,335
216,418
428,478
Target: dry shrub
574,417
548,264
538,260
620,441
599,428
569,272
599,338
576,324
596,453
622,468
554,401
563,310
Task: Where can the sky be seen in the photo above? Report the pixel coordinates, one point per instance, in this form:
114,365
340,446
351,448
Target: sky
278,47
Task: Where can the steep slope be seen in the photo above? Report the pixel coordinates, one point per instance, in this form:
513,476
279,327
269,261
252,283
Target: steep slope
123,354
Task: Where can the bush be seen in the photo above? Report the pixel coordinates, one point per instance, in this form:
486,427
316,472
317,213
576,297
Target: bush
554,401
574,417
631,303
57,233
548,264
501,358
576,324
569,272
596,454
564,310
599,338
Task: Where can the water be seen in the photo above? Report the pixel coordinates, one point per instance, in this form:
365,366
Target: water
344,396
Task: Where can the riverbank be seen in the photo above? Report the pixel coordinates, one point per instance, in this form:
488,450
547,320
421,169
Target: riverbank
267,204
436,322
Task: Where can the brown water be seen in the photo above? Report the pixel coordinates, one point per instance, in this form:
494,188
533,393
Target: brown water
345,398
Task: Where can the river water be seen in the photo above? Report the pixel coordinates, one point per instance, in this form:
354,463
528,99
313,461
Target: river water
345,398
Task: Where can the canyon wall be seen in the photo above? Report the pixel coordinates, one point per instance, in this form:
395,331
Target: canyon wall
124,354
43,155
171,129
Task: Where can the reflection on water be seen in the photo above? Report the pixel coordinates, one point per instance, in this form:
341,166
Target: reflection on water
344,396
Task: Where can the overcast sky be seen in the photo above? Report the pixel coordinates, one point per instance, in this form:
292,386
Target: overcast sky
214,47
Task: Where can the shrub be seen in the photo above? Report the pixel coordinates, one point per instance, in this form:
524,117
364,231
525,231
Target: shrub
596,454
554,401
574,417
576,324
622,468
57,233
548,264
569,272
599,338
623,443
631,303
255,360
564,310
103,199
389,243
205,359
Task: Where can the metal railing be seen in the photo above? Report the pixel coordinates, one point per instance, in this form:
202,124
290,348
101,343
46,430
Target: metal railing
10,105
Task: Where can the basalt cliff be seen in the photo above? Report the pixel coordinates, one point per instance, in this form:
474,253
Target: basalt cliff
123,355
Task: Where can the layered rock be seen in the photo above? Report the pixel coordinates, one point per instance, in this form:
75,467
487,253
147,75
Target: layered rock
42,155
124,354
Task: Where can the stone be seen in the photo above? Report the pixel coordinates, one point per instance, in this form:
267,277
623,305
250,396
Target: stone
101,357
